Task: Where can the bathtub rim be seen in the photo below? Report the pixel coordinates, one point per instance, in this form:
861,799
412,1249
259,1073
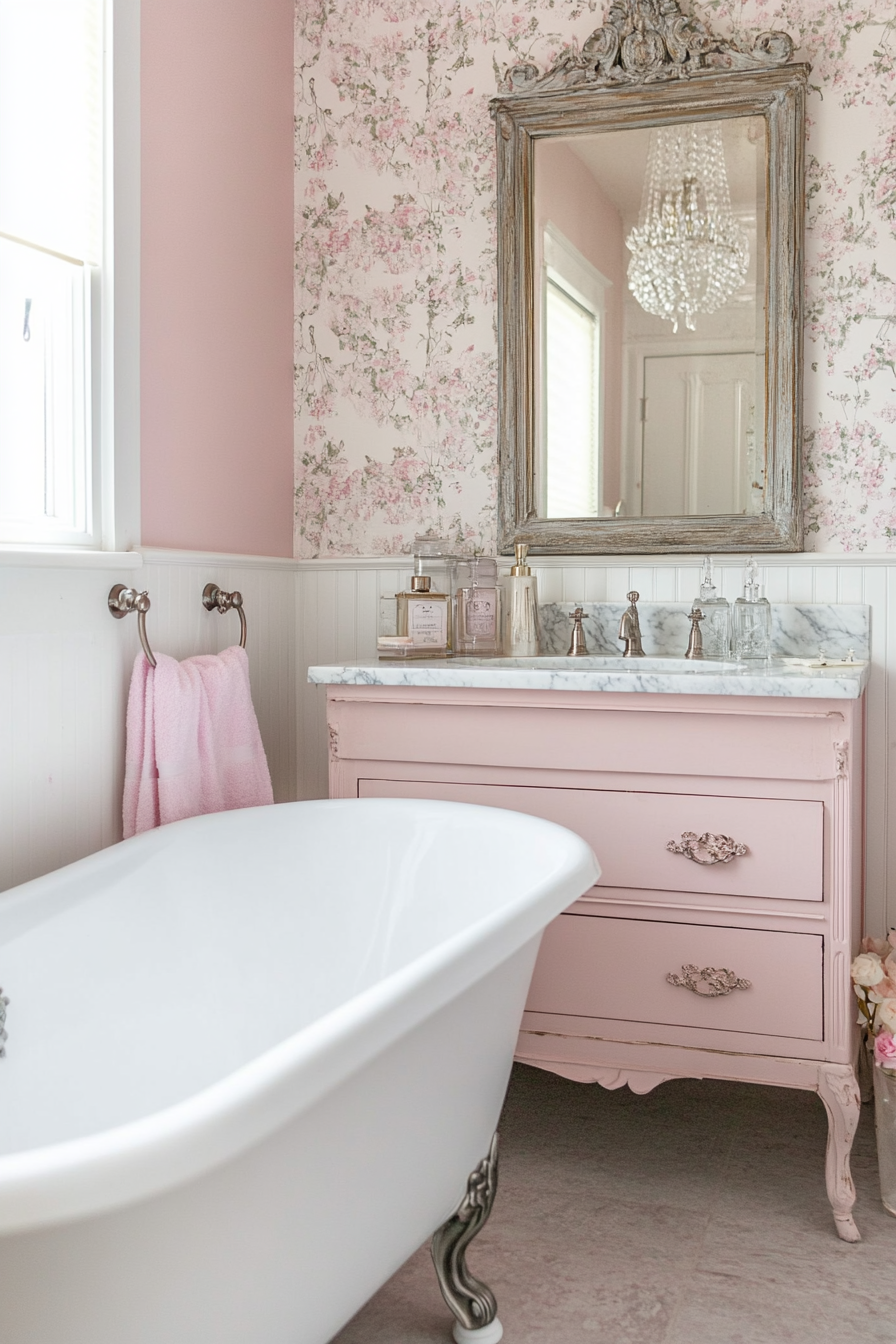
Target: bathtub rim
97,1173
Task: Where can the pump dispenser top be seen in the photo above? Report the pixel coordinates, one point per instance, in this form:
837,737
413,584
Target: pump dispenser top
521,552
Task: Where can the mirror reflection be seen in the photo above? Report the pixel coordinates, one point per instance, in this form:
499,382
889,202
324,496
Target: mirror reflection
650,333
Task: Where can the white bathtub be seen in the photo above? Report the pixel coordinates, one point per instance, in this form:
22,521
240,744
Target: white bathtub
252,1059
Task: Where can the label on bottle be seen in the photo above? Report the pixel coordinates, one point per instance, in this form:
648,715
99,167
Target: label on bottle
428,622
480,612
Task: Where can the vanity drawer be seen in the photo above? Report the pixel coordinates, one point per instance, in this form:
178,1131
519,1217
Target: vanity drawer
629,831
784,839
591,966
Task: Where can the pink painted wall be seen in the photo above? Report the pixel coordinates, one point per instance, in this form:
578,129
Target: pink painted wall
217,275
569,197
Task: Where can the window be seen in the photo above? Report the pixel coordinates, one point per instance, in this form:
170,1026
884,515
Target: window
51,247
573,302
572,355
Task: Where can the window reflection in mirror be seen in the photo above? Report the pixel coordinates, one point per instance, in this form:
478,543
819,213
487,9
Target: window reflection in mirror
639,414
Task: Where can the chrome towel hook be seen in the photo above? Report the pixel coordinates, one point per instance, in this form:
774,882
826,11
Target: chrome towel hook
124,600
215,599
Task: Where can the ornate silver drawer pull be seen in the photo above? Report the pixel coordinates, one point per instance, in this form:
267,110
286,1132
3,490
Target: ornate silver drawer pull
712,982
707,848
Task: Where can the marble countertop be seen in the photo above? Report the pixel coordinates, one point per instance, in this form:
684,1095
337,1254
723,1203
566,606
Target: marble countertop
657,676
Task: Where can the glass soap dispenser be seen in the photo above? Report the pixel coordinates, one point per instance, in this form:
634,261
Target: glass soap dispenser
521,607
716,610
752,619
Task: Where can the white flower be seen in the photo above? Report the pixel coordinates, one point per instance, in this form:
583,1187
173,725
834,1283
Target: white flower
867,969
886,1015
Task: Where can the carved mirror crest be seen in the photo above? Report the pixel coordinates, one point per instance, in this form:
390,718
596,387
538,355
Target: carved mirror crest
650,251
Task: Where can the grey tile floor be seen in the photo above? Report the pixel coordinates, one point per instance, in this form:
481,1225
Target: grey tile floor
694,1215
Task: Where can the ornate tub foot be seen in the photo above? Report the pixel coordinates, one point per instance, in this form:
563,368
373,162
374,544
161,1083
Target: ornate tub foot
839,1091
473,1304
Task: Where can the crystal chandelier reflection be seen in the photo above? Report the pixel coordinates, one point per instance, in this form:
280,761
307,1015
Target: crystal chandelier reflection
689,254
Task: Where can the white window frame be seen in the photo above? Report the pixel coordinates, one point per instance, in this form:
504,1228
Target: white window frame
113,418
119,363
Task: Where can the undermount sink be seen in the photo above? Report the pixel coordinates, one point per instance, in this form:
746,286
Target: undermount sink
610,663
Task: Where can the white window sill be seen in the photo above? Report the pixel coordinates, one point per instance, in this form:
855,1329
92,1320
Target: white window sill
66,557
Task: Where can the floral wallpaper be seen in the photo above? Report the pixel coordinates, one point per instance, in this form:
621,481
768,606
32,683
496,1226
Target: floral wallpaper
395,343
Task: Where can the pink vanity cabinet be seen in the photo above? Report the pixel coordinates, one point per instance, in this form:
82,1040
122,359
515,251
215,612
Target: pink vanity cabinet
776,922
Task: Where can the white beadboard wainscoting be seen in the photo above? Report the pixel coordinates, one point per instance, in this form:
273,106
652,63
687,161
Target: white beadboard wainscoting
65,666
338,604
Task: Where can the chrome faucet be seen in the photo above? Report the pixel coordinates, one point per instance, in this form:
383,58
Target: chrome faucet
577,646
630,628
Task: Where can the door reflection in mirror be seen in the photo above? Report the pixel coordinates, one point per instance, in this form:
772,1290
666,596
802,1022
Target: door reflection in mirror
698,453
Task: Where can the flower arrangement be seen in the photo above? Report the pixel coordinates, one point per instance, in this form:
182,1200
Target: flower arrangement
874,981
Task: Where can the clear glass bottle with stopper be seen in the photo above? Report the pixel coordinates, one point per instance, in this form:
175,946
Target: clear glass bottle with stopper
521,608
752,619
477,606
716,610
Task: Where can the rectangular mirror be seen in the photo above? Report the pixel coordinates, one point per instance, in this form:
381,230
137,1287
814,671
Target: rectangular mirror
650,283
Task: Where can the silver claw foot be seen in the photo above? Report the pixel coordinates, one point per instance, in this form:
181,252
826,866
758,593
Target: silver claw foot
473,1304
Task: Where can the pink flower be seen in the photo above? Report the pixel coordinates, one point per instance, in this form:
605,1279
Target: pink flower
885,1050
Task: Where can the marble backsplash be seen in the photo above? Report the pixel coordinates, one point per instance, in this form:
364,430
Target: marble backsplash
799,630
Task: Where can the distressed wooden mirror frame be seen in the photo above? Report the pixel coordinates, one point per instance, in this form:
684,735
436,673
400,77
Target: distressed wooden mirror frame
629,74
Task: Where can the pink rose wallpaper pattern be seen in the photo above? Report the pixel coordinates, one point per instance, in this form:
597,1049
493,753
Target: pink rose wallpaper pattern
395,342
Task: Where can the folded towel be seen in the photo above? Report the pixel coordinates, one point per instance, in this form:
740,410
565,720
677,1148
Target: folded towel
193,744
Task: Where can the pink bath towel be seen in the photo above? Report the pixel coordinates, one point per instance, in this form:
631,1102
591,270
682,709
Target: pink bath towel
193,744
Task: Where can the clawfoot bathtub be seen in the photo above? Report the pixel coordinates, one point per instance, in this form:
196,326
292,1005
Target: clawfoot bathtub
254,1058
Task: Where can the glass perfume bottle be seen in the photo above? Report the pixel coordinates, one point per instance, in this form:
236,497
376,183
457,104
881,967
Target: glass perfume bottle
716,629
521,608
752,619
477,607
421,623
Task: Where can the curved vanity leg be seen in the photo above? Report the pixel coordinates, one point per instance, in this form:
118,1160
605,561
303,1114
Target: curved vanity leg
472,1302
839,1091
